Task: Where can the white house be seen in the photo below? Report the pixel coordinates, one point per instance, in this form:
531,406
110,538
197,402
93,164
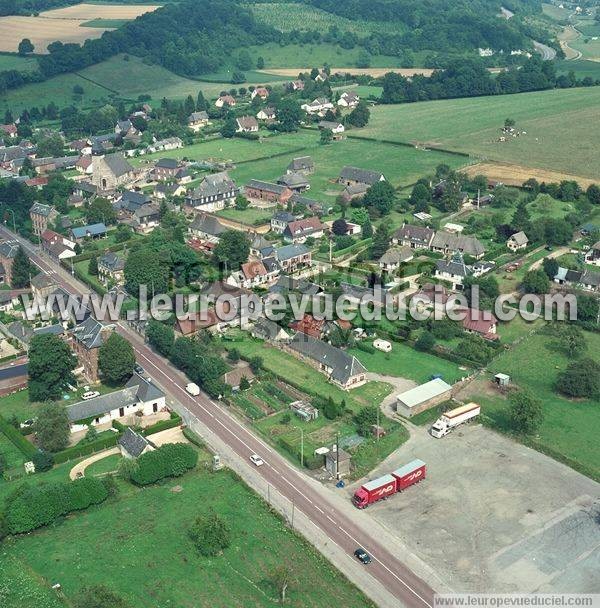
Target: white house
517,241
348,99
139,397
317,106
335,127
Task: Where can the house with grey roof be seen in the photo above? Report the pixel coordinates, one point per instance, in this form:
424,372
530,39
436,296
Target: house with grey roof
247,124
517,241
329,125
110,268
297,182
449,243
269,331
197,120
454,271
87,338
280,220
351,176
341,368
111,171
91,231
301,164
140,397
206,227
41,216
132,445
292,257
395,256
213,193
415,237
131,200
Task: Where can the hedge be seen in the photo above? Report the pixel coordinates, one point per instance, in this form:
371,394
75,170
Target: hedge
16,437
77,451
169,460
163,425
32,507
193,437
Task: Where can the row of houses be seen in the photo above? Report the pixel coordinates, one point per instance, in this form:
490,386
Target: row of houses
441,241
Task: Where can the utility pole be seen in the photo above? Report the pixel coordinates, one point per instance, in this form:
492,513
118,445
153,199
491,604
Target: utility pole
337,456
377,431
293,508
302,447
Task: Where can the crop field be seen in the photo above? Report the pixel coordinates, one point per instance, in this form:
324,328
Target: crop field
301,17
100,11
105,24
561,128
65,24
151,562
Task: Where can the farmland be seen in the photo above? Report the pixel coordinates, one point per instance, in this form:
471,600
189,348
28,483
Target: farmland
560,125
151,562
90,11
14,62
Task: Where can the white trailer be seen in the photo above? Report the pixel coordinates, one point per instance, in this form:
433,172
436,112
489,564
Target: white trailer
453,418
193,389
382,345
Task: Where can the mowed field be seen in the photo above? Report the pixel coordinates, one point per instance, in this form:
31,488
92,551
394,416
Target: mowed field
138,544
562,128
64,24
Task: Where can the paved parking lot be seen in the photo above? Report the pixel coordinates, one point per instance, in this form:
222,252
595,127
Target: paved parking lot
494,516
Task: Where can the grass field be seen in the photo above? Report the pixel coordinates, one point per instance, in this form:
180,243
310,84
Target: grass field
105,24
14,62
406,362
560,125
569,426
252,215
138,544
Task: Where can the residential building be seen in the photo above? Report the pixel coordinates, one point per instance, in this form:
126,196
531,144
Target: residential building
132,445
299,230
280,220
341,368
578,279
56,245
348,99
415,237
455,271
352,176
317,106
309,325
268,113
131,201
259,246
225,100
593,255
261,92
247,124
42,285
292,257
9,130
394,256
206,227
197,121
251,274
302,164
110,268
111,171
297,85
268,330
87,338
140,396
328,125
517,241
234,377
353,192
213,193
267,192
92,231
482,323
146,218
41,215
166,169
449,243
163,145
84,165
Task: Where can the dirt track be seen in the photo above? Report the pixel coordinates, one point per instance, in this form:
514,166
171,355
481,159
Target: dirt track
515,175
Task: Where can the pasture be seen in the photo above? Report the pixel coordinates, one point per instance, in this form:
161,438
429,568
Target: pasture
14,62
561,128
151,562
569,425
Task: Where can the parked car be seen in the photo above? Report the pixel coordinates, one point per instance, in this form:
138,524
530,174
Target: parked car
362,556
138,369
90,395
256,460
27,423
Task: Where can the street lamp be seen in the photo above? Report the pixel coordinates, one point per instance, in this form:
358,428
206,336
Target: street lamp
13,219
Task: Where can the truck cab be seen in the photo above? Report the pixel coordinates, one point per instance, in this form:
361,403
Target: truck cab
360,498
439,428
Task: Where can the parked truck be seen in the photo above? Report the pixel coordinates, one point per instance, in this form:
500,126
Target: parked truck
193,389
453,418
389,484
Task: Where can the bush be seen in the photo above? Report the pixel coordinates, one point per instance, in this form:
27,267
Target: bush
43,461
77,451
170,460
163,425
31,507
210,534
365,347
15,436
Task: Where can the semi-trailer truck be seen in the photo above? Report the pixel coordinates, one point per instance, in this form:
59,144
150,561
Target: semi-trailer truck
389,484
453,418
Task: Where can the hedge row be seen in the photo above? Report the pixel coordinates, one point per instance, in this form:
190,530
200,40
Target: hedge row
77,451
193,437
163,425
169,460
32,507
16,437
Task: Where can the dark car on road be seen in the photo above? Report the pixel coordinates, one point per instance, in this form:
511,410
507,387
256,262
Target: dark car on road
362,556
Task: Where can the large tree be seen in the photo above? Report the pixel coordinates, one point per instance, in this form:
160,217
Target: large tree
289,115
210,534
21,270
144,267
52,428
536,281
526,414
161,337
100,210
116,360
50,367
233,248
380,196
381,241
580,379
359,117
25,47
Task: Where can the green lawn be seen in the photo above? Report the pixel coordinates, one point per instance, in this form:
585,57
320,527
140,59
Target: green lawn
106,465
14,62
14,458
406,362
560,125
252,215
569,426
138,544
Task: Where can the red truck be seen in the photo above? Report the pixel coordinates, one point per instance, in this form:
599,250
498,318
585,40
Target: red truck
385,486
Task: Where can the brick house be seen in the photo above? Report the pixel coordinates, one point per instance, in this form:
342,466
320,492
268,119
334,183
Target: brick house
41,215
87,338
267,192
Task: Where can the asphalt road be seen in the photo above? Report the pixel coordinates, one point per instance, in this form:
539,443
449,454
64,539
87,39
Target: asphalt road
386,569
